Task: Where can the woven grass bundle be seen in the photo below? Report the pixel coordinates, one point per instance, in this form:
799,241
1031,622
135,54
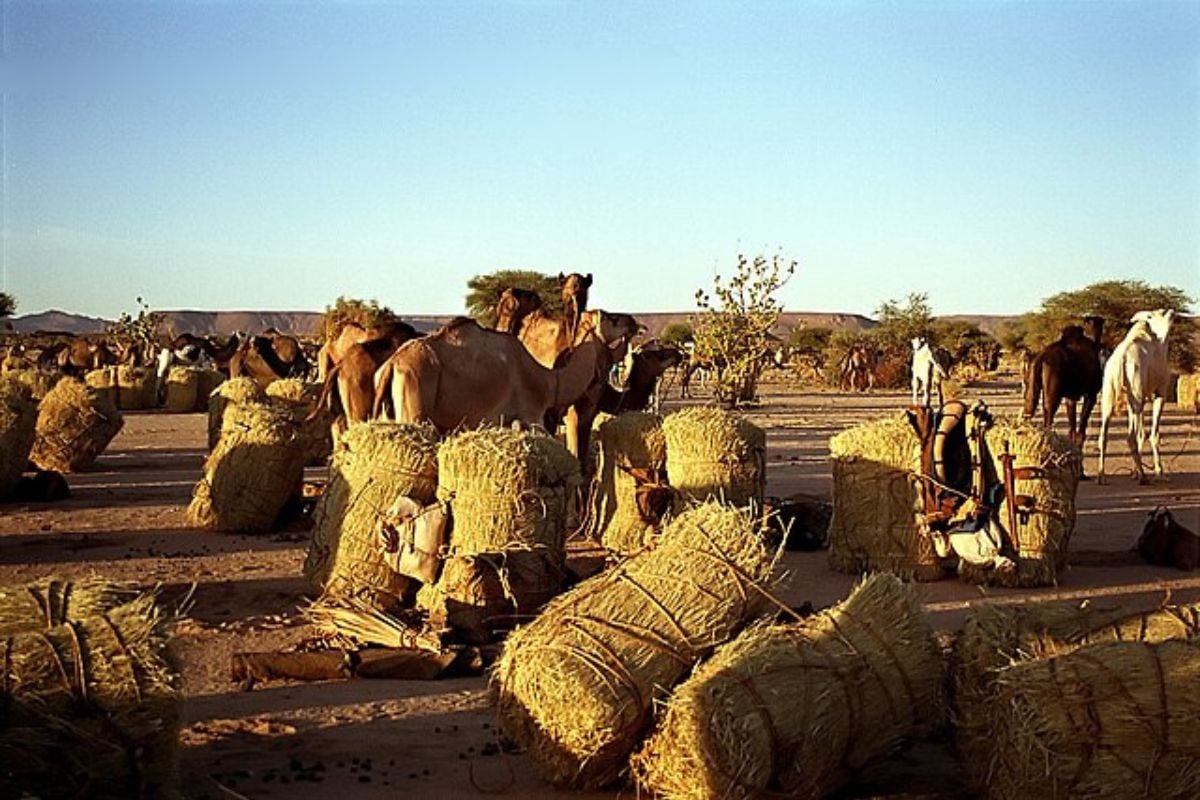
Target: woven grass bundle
251,474
1109,720
43,604
137,388
876,497
18,428
104,381
233,391
300,398
631,440
182,388
995,637
797,710
479,594
91,708
1042,539
74,425
577,686
375,463
210,379
713,453
508,490
38,382
1187,392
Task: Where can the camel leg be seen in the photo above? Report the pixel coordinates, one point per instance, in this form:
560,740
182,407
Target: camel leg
1105,418
1155,419
1136,437
1070,404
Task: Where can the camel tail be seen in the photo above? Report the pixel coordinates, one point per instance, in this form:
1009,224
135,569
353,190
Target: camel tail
1033,387
383,393
329,397
1110,389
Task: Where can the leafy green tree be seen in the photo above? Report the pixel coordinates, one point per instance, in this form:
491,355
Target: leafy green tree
485,291
8,305
733,331
367,313
966,342
805,340
899,324
677,334
142,330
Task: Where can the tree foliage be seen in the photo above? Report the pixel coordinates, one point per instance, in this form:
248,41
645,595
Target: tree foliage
366,313
732,329
142,330
677,334
900,324
485,290
8,305
809,341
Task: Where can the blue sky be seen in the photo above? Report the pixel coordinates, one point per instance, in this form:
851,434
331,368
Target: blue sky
222,155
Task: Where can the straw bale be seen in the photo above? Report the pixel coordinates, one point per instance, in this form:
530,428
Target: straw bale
1187,392
74,425
508,490
480,594
994,637
137,388
18,429
1109,720
235,390
104,381
38,382
633,439
876,499
210,379
91,708
577,686
799,709
713,453
1043,538
43,604
254,470
300,398
375,463
182,387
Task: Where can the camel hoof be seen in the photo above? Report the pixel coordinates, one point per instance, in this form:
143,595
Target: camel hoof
1143,481
1084,477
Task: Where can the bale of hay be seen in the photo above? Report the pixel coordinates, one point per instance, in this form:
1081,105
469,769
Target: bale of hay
74,425
43,604
38,382
235,390
137,388
632,440
1111,720
210,379
104,381
507,490
1043,536
375,463
251,474
994,637
477,595
876,499
300,399
18,429
1187,392
713,453
577,686
182,388
92,708
798,710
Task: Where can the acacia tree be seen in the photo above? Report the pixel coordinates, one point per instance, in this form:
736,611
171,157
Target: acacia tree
900,324
733,330
8,305
677,334
485,291
366,313
142,329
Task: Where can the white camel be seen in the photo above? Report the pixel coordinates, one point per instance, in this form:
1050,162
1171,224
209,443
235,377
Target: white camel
927,373
1138,368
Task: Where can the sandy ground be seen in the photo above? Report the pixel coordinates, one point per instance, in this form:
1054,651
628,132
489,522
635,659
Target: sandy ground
126,521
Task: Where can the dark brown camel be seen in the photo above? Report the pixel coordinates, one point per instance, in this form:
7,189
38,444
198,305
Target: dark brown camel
649,364
514,305
79,355
1067,370
221,354
574,300
349,387
258,359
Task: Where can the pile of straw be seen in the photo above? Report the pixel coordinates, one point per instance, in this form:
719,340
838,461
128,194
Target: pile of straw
633,439
236,390
181,390
996,637
375,463
38,382
1187,392
1043,538
43,604
876,499
137,388
74,425
507,490
300,398
104,381
18,428
577,686
91,706
798,710
712,453
251,474
1112,720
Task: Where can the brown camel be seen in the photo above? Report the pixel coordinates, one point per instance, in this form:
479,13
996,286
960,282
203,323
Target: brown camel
650,362
79,355
693,364
465,375
858,368
351,333
354,378
220,353
1067,370
257,358
574,299
514,306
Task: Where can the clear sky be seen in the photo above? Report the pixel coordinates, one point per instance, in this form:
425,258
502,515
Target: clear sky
232,155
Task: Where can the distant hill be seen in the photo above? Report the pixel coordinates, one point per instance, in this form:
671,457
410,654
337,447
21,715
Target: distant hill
54,320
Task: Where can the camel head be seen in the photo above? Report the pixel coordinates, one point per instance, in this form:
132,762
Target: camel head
917,343
574,294
1159,321
612,329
